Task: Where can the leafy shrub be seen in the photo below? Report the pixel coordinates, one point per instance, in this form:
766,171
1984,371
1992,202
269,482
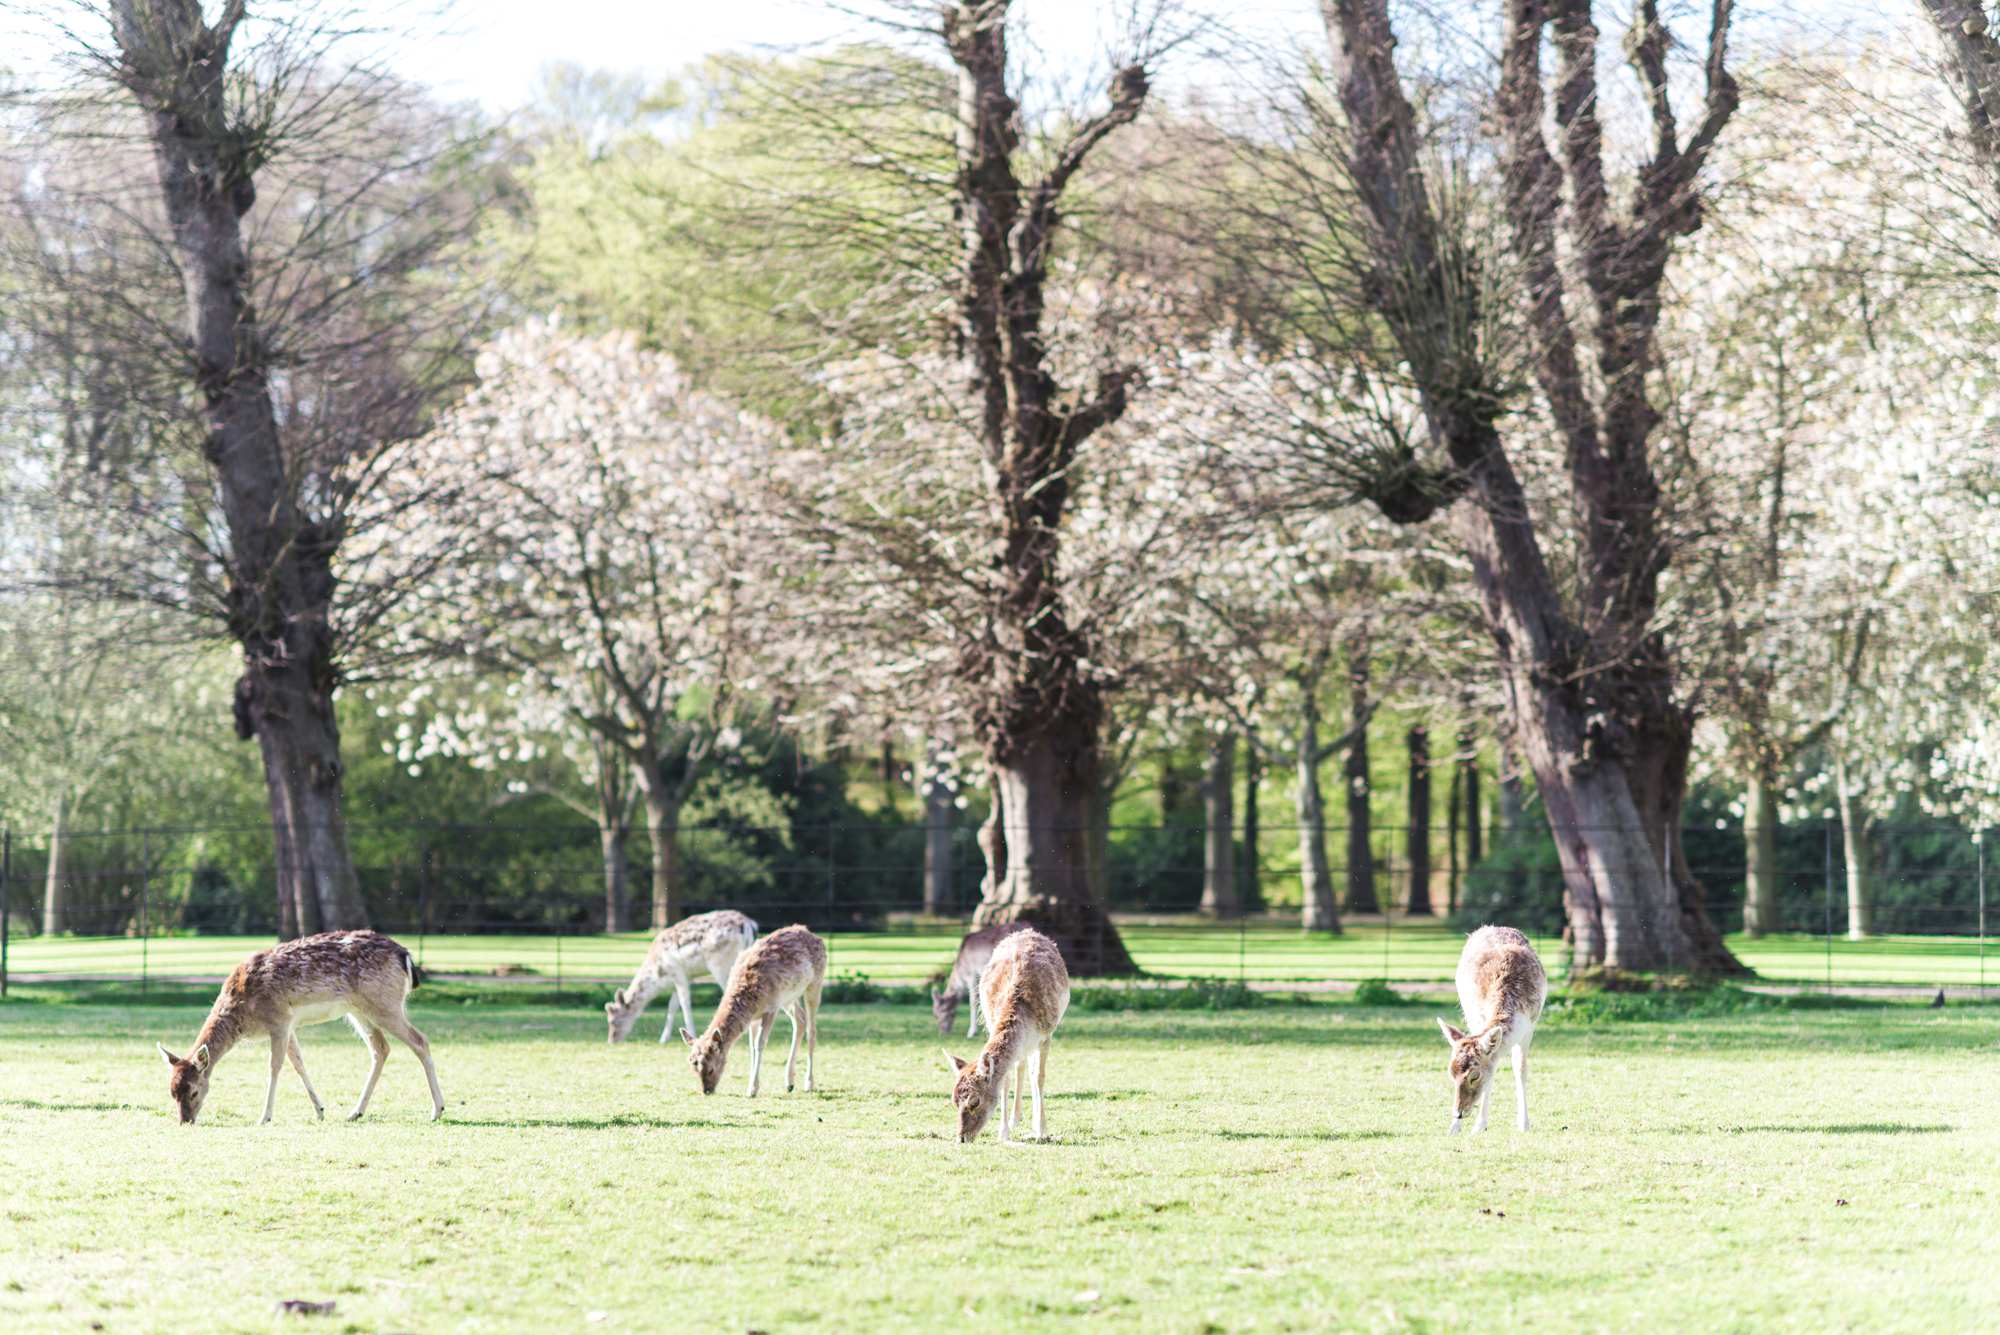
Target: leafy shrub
1199,994
1377,992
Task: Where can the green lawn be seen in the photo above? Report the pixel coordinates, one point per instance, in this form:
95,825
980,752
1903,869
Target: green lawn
1281,1168
1402,952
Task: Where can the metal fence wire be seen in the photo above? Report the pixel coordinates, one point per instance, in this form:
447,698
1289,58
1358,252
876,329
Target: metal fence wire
146,904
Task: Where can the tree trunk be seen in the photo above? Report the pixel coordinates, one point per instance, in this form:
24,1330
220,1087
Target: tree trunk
663,829
939,807
1360,824
1855,850
1760,854
612,835
1218,804
54,914
1475,816
1098,868
1454,806
1037,855
1317,913
294,725
1249,886
1420,820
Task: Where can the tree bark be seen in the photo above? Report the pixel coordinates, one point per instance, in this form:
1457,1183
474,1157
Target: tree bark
279,572
1218,804
1856,852
663,831
939,808
1250,889
1475,815
1361,897
1036,844
1318,912
1760,855
613,834
1420,820
55,917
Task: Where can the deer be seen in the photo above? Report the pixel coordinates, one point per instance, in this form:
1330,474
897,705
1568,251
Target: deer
363,976
1025,992
1501,990
711,941
783,972
962,984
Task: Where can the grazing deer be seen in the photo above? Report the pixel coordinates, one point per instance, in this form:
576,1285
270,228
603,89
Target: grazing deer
962,984
711,940
1025,992
1501,988
783,972
363,976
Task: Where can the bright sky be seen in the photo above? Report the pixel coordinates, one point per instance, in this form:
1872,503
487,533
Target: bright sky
492,50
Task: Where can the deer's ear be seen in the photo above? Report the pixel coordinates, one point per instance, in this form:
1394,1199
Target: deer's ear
955,1064
687,1036
1451,1035
1489,1042
200,1058
170,1058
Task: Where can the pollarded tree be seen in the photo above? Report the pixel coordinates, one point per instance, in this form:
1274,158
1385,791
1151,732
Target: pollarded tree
291,215
1379,213
605,545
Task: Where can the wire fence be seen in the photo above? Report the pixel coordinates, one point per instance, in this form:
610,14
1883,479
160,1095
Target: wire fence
534,904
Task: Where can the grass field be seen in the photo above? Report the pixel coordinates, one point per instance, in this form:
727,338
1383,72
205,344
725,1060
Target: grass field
1792,1166
1401,952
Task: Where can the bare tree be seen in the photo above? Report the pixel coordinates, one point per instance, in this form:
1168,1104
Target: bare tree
1386,222
302,206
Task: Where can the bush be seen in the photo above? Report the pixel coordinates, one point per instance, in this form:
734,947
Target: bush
1199,994
1377,992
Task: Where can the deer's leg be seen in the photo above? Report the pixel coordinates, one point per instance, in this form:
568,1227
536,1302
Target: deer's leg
792,1057
1485,1097
378,1048
760,1033
1521,1086
972,1007
278,1040
401,1027
299,1065
811,1002
673,999
1041,1080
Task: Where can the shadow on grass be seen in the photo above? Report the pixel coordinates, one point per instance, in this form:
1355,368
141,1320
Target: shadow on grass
616,1122
1849,1129
1301,1135
43,1105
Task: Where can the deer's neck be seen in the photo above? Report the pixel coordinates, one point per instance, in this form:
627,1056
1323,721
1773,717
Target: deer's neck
738,1009
220,1031
1006,1045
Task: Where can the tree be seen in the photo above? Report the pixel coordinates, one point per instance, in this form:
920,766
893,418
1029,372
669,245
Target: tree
610,557
303,207
1379,216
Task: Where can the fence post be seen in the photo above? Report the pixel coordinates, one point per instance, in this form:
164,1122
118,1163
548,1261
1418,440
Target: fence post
145,893
6,898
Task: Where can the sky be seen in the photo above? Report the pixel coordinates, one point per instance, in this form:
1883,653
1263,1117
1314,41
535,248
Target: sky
492,51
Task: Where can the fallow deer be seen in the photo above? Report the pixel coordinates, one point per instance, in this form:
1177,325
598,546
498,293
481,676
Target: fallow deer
1501,989
962,984
783,972
711,941
1025,992
363,976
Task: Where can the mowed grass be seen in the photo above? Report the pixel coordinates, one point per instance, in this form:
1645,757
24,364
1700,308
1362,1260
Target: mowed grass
1260,951
1279,1168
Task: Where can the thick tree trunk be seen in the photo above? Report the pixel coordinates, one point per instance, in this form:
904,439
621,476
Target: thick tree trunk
1760,854
1361,896
300,743
1856,852
1218,805
1249,884
663,830
1036,845
54,914
940,807
1420,820
1317,912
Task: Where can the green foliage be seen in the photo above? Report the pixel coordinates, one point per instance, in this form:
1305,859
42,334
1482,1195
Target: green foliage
1197,994
1377,992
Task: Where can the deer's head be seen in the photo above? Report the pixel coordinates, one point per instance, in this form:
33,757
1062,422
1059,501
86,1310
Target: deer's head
620,1015
188,1083
707,1055
973,1095
1473,1057
944,1009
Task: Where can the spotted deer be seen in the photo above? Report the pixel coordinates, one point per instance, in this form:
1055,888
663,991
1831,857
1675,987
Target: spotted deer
363,976
1501,989
962,984
783,972
1025,993
711,941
